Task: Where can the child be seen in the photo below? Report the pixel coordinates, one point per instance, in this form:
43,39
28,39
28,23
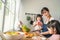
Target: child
54,29
38,23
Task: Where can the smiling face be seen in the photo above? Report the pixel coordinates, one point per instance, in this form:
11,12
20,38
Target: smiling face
45,13
52,30
53,27
38,18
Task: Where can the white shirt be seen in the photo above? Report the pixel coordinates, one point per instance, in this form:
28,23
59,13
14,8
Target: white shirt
36,27
49,20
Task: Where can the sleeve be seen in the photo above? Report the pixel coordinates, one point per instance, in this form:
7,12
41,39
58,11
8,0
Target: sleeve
52,19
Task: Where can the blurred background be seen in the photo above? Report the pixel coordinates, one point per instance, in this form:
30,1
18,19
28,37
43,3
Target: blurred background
12,11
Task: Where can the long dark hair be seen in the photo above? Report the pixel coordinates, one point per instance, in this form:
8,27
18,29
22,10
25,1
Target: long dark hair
54,24
39,15
44,8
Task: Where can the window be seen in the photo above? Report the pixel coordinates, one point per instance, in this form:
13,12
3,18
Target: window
1,14
9,14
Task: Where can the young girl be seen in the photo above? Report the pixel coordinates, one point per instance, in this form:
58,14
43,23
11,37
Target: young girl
38,23
54,29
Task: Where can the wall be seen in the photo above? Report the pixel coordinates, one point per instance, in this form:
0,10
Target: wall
34,6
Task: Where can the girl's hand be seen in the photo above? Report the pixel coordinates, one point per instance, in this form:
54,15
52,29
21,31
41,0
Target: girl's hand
34,24
40,23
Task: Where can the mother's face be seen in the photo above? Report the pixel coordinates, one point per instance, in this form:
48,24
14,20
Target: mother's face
45,13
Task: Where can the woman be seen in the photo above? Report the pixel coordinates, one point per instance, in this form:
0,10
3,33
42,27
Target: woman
45,13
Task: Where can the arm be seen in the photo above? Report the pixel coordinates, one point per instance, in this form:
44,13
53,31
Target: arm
34,24
44,33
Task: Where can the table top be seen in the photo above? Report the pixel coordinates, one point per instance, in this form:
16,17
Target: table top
20,36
